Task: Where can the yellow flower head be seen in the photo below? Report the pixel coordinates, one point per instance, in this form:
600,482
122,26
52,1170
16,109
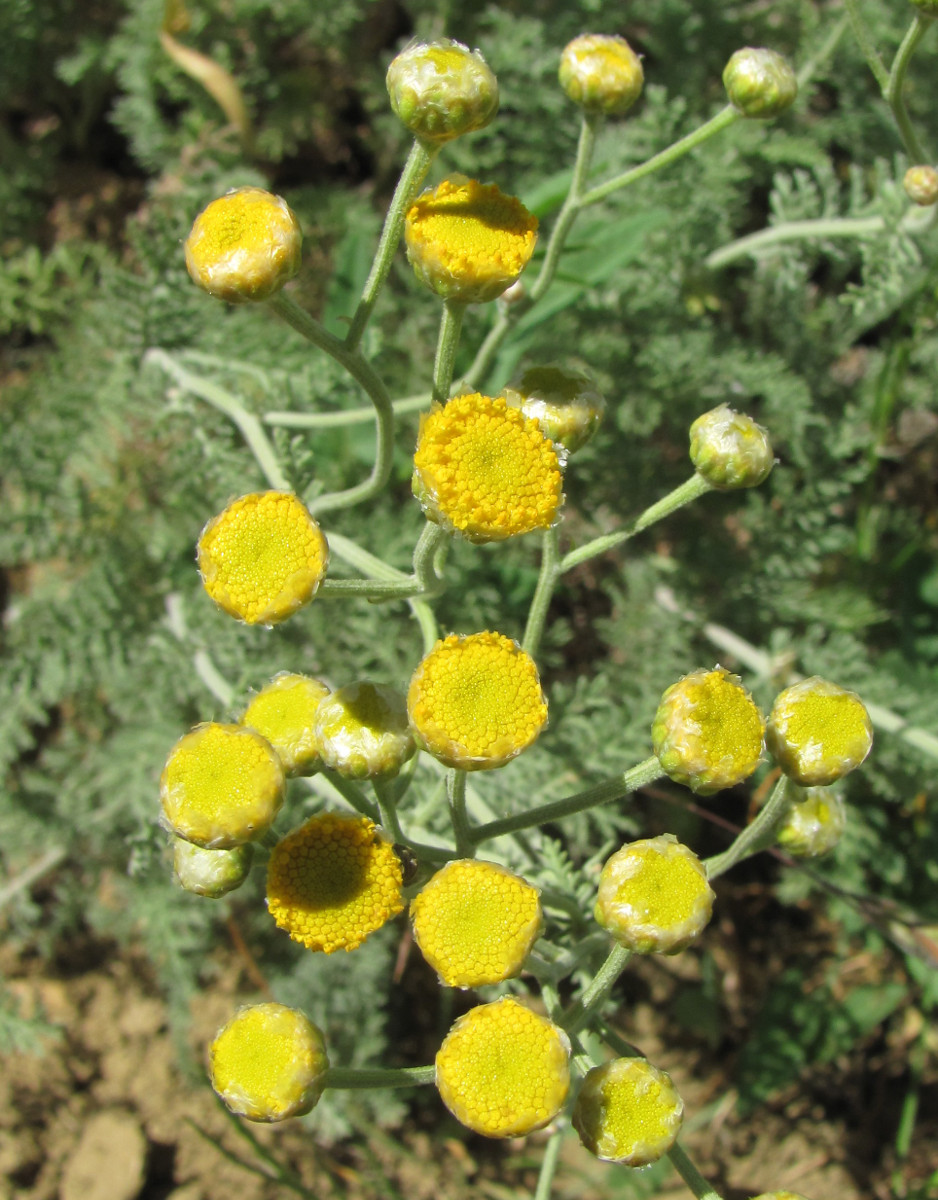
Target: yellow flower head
601,73
730,450
362,731
244,246
333,881
818,732
708,733
780,1196
486,471
654,896
628,1112
468,241
475,923
263,557
566,404
284,712
211,873
442,89
222,786
814,824
503,1071
476,702
268,1063
921,185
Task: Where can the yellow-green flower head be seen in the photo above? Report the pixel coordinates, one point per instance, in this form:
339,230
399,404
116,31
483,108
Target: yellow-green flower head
566,404
468,241
222,785
503,1071
244,246
284,712
818,732
780,1196
211,873
759,83
921,183
654,896
476,702
707,732
814,824
362,731
628,1112
268,1063
730,450
484,470
442,89
475,923
333,881
263,557
601,73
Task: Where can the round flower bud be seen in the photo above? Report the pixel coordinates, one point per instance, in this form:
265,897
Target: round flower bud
362,731
503,1071
818,732
708,733
244,246
475,923
760,83
263,557
730,450
211,873
284,712
601,73
928,8
442,89
814,824
566,404
628,1112
268,1063
921,184
485,471
333,881
468,241
476,702
222,785
654,896
780,1196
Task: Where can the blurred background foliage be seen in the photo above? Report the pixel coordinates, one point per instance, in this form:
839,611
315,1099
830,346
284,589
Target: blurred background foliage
108,472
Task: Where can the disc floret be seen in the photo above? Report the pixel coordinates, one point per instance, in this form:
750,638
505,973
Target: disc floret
284,712
818,732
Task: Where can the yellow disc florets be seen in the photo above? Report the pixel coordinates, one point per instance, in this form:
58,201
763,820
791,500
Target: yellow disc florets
222,786
362,731
503,1071
818,732
333,881
707,732
628,1112
284,712
475,923
263,557
601,73
244,246
268,1063
485,470
654,896
814,824
468,241
476,702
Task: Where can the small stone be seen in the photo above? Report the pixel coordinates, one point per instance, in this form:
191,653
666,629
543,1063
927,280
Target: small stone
108,1162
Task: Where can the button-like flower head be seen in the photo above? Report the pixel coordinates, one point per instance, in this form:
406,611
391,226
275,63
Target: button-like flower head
468,241
780,1196
628,1112
566,404
442,89
222,785
921,183
333,881
730,450
484,470
244,246
503,1071
476,702
268,1063
601,73
284,712
263,557
818,732
211,873
814,825
475,923
362,731
760,83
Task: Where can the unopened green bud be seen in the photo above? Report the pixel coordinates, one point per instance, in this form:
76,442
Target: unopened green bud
654,896
760,83
814,825
284,712
211,873
730,450
818,732
362,731
921,185
628,1112
566,404
442,89
602,74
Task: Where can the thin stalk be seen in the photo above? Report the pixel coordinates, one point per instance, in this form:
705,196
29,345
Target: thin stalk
894,87
540,601
580,1012
362,560
349,1078
34,872
757,835
446,346
429,630
338,420
414,173
353,794
545,1178
275,1175
691,1176
428,556
824,51
388,810
861,32
284,1174
456,796
213,679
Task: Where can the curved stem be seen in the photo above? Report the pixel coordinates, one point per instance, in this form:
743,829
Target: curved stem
861,32
691,1176
362,560
579,1013
757,835
428,557
456,795
540,602
893,92
447,343
337,420
429,630
348,1078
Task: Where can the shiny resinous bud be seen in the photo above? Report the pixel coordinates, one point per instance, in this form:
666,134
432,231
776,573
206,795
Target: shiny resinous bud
602,74
814,823
759,83
818,732
730,450
628,1112
921,185
211,873
441,90
566,404
362,731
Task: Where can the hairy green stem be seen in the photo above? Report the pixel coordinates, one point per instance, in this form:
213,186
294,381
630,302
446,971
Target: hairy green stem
429,630
338,420
757,835
349,1078
353,794
447,343
701,1188
456,795
213,679
540,601
428,557
580,1012
894,87
362,560
545,1178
